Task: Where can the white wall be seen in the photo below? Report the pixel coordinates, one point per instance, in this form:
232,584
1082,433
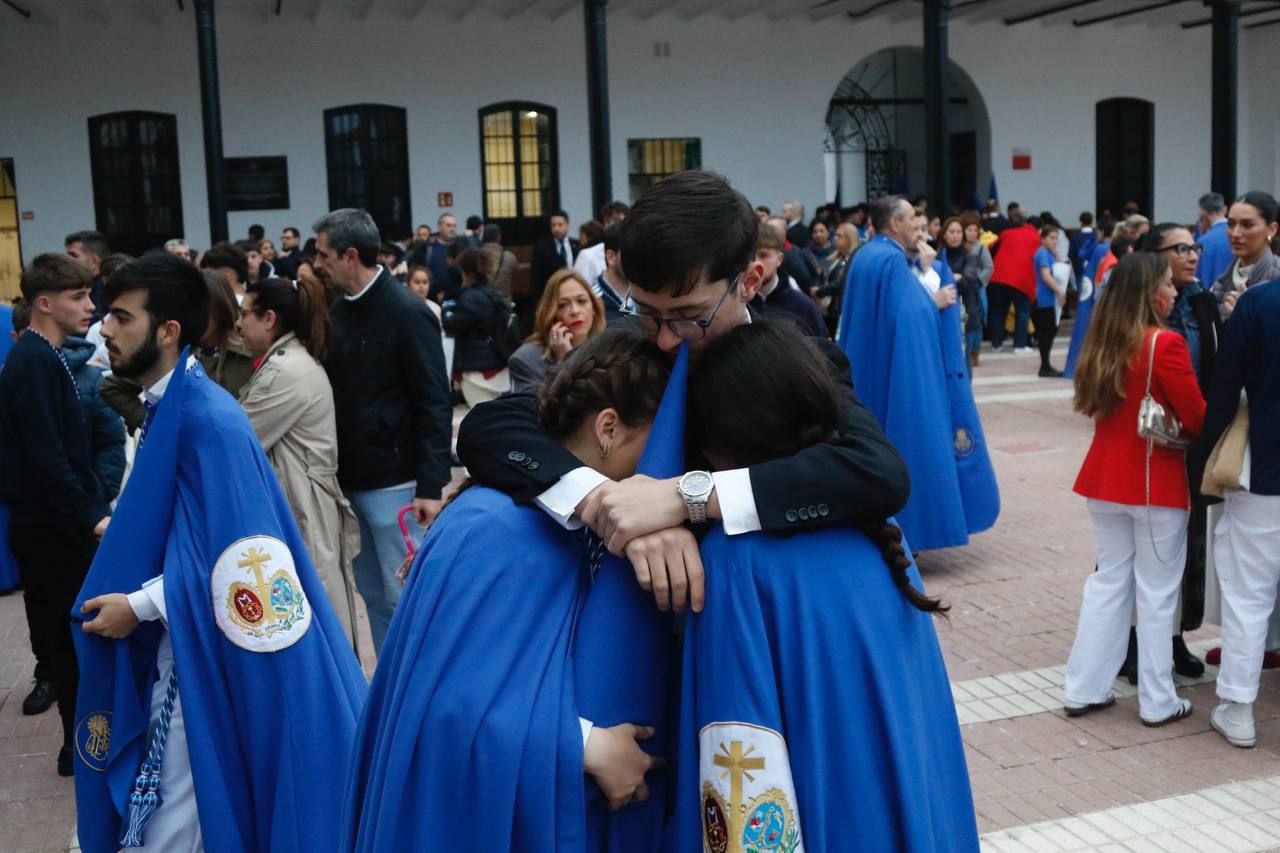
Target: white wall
754,90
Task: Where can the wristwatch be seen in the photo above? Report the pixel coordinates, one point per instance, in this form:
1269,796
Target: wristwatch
695,488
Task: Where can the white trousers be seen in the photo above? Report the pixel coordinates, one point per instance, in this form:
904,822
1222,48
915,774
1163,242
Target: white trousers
175,826
1141,552
1246,553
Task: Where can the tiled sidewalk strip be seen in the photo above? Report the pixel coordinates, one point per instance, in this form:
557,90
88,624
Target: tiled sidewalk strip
1017,694
1241,817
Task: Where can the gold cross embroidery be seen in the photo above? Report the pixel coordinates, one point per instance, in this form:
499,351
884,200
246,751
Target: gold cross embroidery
737,764
254,560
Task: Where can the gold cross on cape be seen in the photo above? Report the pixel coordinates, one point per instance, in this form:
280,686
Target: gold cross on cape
737,764
254,560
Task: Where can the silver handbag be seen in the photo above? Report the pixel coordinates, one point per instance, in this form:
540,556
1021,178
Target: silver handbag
1155,425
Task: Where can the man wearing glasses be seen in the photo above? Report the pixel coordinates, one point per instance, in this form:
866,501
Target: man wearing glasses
688,252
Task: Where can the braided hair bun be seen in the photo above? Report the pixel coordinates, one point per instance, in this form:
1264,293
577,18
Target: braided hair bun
618,369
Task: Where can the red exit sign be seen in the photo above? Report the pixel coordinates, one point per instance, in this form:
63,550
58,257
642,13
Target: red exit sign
444,199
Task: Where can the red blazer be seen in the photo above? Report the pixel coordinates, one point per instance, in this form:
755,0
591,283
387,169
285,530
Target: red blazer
1015,260
1113,470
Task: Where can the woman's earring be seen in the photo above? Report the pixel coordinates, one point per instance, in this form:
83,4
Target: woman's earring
604,451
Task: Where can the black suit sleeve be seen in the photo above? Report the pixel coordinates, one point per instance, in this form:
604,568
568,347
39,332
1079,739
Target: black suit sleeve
540,269
422,355
858,477
504,447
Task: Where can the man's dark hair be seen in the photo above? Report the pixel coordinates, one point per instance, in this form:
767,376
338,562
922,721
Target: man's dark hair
1086,218
175,291
764,208
684,227
613,237
590,232
352,228
257,232
492,233
94,242
53,272
1047,228
881,211
227,256
392,249
248,246
113,262
614,208
21,314
1011,207
293,232
1213,203
474,222
559,213
455,250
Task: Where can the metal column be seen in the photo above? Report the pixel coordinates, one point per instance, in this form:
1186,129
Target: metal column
211,110
937,147
1224,125
594,15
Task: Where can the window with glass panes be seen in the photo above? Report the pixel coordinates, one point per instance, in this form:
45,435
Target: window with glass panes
366,150
651,160
519,168
137,196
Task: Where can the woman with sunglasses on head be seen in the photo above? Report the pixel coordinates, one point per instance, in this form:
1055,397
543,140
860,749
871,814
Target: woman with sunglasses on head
815,664
1136,487
1252,222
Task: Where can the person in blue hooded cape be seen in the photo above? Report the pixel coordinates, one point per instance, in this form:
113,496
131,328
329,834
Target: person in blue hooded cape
9,579
1089,289
477,733
908,365
218,696
816,713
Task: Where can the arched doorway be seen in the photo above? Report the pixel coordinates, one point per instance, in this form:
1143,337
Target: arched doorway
874,142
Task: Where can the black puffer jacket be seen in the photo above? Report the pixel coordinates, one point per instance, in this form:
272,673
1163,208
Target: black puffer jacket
473,319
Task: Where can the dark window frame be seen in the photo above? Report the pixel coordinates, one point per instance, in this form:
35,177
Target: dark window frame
648,179
374,176
247,182
137,183
1124,131
522,229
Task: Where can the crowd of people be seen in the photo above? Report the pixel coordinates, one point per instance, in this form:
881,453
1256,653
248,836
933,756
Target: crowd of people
673,495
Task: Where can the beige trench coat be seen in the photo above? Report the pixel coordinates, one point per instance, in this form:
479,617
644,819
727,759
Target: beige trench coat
290,404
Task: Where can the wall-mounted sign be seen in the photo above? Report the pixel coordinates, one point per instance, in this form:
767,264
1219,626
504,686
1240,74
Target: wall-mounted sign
444,199
1022,159
28,215
257,183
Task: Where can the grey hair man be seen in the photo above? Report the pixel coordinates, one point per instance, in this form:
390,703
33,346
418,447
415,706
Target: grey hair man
391,395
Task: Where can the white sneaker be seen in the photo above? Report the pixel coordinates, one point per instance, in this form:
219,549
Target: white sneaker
1234,721
1023,350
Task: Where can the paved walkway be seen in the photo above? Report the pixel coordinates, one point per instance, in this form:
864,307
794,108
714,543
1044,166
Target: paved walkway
1041,782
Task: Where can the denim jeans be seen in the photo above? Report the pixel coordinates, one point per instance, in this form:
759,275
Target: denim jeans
382,552
1000,296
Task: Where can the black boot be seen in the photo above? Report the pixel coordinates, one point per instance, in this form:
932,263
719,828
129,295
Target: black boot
64,762
1185,663
39,699
1129,670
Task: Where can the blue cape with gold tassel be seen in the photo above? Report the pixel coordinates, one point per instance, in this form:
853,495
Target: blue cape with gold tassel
270,687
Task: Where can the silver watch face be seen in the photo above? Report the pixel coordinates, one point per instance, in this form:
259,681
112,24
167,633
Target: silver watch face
696,484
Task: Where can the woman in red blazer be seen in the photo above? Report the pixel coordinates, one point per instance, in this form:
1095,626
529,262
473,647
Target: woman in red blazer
1139,509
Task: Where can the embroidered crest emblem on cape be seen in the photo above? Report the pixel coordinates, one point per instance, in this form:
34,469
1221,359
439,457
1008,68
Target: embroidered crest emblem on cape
93,739
747,791
965,443
257,597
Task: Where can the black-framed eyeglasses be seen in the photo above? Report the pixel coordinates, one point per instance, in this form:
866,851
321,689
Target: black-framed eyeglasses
683,327
1184,249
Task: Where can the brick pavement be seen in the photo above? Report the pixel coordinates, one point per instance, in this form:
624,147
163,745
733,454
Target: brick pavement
1041,781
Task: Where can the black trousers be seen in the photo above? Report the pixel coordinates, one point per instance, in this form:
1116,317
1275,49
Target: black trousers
1046,331
53,562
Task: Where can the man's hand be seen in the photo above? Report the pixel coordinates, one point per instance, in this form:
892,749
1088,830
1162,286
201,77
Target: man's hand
668,563
945,297
100,529
115,620
615,760
619,512
927,253
425,510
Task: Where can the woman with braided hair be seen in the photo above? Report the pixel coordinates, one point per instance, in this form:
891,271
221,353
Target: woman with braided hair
814,665
471,735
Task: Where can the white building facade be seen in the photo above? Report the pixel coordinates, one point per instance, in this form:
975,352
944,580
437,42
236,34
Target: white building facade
751,83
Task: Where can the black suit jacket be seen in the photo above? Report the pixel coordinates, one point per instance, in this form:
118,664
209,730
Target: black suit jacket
798,235
858,478
546,259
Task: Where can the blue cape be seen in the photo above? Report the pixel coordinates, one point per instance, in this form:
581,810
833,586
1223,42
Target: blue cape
1084,311
470,735
624,650
8,567
909,369
269,732
810,670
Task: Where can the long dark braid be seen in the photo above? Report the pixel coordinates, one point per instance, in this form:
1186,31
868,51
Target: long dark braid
888,538
618,369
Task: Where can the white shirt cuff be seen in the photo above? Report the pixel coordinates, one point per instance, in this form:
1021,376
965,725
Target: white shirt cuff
586,730
561,500
737,501
148,602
